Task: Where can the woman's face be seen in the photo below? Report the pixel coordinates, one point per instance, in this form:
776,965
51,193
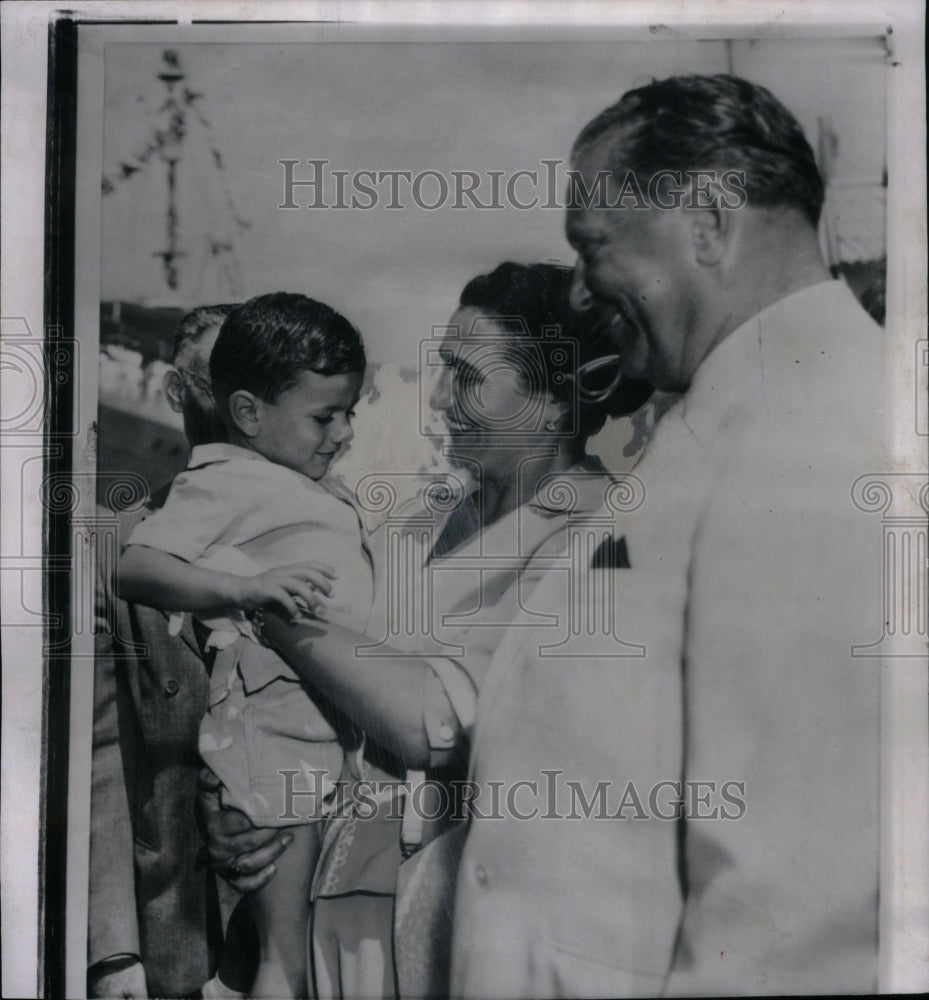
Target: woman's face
482,395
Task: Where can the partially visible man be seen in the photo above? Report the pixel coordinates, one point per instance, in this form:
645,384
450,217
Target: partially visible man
734,847
154,923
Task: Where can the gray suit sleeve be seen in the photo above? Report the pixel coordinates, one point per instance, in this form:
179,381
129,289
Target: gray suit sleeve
112,919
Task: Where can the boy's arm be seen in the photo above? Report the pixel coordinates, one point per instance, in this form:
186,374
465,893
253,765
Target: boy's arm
161,580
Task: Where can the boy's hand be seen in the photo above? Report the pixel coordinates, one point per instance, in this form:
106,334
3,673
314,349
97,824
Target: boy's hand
295,588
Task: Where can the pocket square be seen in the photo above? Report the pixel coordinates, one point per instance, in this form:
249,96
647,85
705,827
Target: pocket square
611,554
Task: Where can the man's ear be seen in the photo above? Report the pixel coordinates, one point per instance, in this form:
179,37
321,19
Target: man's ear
711,221
710,233
712,224
244,410
174,389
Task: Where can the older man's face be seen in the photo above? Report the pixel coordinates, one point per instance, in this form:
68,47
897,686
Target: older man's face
637,268
202,424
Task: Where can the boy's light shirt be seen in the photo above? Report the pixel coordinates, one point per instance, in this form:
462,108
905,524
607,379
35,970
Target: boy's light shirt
225,629
234,511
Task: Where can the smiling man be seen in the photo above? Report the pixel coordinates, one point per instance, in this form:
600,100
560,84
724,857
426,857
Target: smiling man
687,266
752,576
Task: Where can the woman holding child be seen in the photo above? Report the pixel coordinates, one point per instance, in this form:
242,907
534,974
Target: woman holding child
521,394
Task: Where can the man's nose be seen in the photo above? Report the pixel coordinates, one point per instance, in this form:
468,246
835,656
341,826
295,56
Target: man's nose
580,296
441,397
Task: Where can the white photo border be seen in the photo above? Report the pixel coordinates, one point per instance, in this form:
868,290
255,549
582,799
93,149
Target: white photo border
29,748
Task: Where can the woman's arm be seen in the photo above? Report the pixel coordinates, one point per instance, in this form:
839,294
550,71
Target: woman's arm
384,695
161,580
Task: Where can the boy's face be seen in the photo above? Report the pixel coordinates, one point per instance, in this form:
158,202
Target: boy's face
304,428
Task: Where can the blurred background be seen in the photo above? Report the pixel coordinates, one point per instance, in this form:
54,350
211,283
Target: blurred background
192,190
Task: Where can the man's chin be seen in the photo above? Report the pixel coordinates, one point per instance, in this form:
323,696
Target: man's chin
637,361
632,367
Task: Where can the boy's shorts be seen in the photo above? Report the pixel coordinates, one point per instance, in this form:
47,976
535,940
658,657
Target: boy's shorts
276,754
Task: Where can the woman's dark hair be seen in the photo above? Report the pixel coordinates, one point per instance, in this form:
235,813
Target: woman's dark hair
710,123
266,344
531,302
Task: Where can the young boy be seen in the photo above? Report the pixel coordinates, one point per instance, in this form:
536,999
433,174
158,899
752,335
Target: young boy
238,532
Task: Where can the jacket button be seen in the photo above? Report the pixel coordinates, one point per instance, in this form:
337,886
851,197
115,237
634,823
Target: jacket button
171,688
481,875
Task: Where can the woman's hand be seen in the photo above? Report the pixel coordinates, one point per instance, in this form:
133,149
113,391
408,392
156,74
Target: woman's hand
295,588
240,852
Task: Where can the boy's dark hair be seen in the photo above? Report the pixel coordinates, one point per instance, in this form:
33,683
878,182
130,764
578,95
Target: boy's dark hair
710,123
194,325
266,344
532,301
